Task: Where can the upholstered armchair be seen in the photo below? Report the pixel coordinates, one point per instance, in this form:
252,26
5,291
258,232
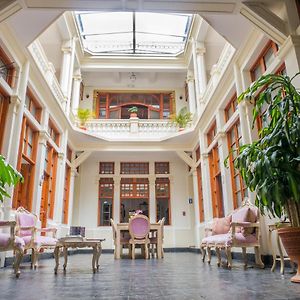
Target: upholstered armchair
124,240
27,230
240,229
139,227
8,241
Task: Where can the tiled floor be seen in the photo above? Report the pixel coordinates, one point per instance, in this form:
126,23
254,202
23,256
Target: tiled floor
177,276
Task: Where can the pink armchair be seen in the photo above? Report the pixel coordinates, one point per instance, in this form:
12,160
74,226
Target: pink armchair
240,229
8,241
139,227
30,234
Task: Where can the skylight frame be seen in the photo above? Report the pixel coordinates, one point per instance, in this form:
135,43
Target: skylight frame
138,44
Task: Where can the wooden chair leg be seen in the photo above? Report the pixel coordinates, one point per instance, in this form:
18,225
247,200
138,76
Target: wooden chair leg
133,251
218,256
203,252
244,250
258,260
208,254
229,257
18,259
130,250
146,251
162,252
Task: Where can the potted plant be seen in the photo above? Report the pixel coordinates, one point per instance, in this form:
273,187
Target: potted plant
182,118
133,111
270,166
8,177
83,115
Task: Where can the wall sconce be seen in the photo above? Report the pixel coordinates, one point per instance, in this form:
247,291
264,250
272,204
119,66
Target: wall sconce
190,200
132,77
87,96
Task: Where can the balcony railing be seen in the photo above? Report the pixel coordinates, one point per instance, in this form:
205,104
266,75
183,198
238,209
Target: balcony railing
133,128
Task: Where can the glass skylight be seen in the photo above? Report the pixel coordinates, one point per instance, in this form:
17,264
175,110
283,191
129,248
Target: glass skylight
120,33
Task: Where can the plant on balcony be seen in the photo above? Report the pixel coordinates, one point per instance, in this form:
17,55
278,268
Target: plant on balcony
270,166
133,111
8,177
182,118
83,115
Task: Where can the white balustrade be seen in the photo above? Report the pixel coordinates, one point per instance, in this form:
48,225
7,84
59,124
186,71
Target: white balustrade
47,70
131,128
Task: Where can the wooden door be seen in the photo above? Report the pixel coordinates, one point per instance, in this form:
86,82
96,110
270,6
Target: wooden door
44,200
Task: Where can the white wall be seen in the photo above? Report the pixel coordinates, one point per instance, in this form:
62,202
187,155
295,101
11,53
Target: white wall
179,234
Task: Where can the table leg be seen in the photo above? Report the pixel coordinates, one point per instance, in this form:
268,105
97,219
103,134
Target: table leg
65,257
99,253
281,255
56,257
95,258
274,252
159,243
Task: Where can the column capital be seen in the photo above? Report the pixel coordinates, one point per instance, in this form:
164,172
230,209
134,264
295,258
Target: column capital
200,50
66,50
77,77
190,78
74,172
60,155
15,101
204,155
44,137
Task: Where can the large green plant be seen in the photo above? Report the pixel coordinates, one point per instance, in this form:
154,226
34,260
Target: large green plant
270,166
182,118
83,115
8,177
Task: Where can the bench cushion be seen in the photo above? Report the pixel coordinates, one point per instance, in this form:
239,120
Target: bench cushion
226,239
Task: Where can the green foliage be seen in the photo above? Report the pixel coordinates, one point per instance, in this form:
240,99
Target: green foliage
270,166
8,177
83,115
183,118
133,110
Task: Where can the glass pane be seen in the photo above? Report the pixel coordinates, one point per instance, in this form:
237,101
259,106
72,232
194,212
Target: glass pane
269,57
162,210
130,205
105,211
154,114
257,72
114,114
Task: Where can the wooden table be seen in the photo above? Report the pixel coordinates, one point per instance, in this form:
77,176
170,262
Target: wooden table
153,227
281,258
78,242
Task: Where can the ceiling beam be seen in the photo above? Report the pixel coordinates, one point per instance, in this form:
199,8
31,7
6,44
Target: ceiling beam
80,159
187,159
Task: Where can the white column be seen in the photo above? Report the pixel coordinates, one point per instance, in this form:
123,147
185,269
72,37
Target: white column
76,92
117,199
152,200
39,175
201,66
71,196
196,208
196,72
214,73
192,95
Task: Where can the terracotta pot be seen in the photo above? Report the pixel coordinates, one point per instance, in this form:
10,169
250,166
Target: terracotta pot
290,238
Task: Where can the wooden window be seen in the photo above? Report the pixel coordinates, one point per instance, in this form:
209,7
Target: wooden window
111,105
162,194
106,168
106,199
53,132
162,168
211,133
264,60
26,165
263,117
134,168
4,103
49,185
238,187
7,69
231,108
65,214
216,182
33,106
199,183
134,194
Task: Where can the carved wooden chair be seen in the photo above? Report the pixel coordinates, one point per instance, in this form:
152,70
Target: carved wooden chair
27,230
240,229
124,240
8,241
139,228
153,239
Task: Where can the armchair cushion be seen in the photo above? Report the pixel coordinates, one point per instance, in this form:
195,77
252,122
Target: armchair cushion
221,225
239,216
5,238
40,240
226,239
26,220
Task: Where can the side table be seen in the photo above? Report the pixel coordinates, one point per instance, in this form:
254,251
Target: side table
78,242
273,229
